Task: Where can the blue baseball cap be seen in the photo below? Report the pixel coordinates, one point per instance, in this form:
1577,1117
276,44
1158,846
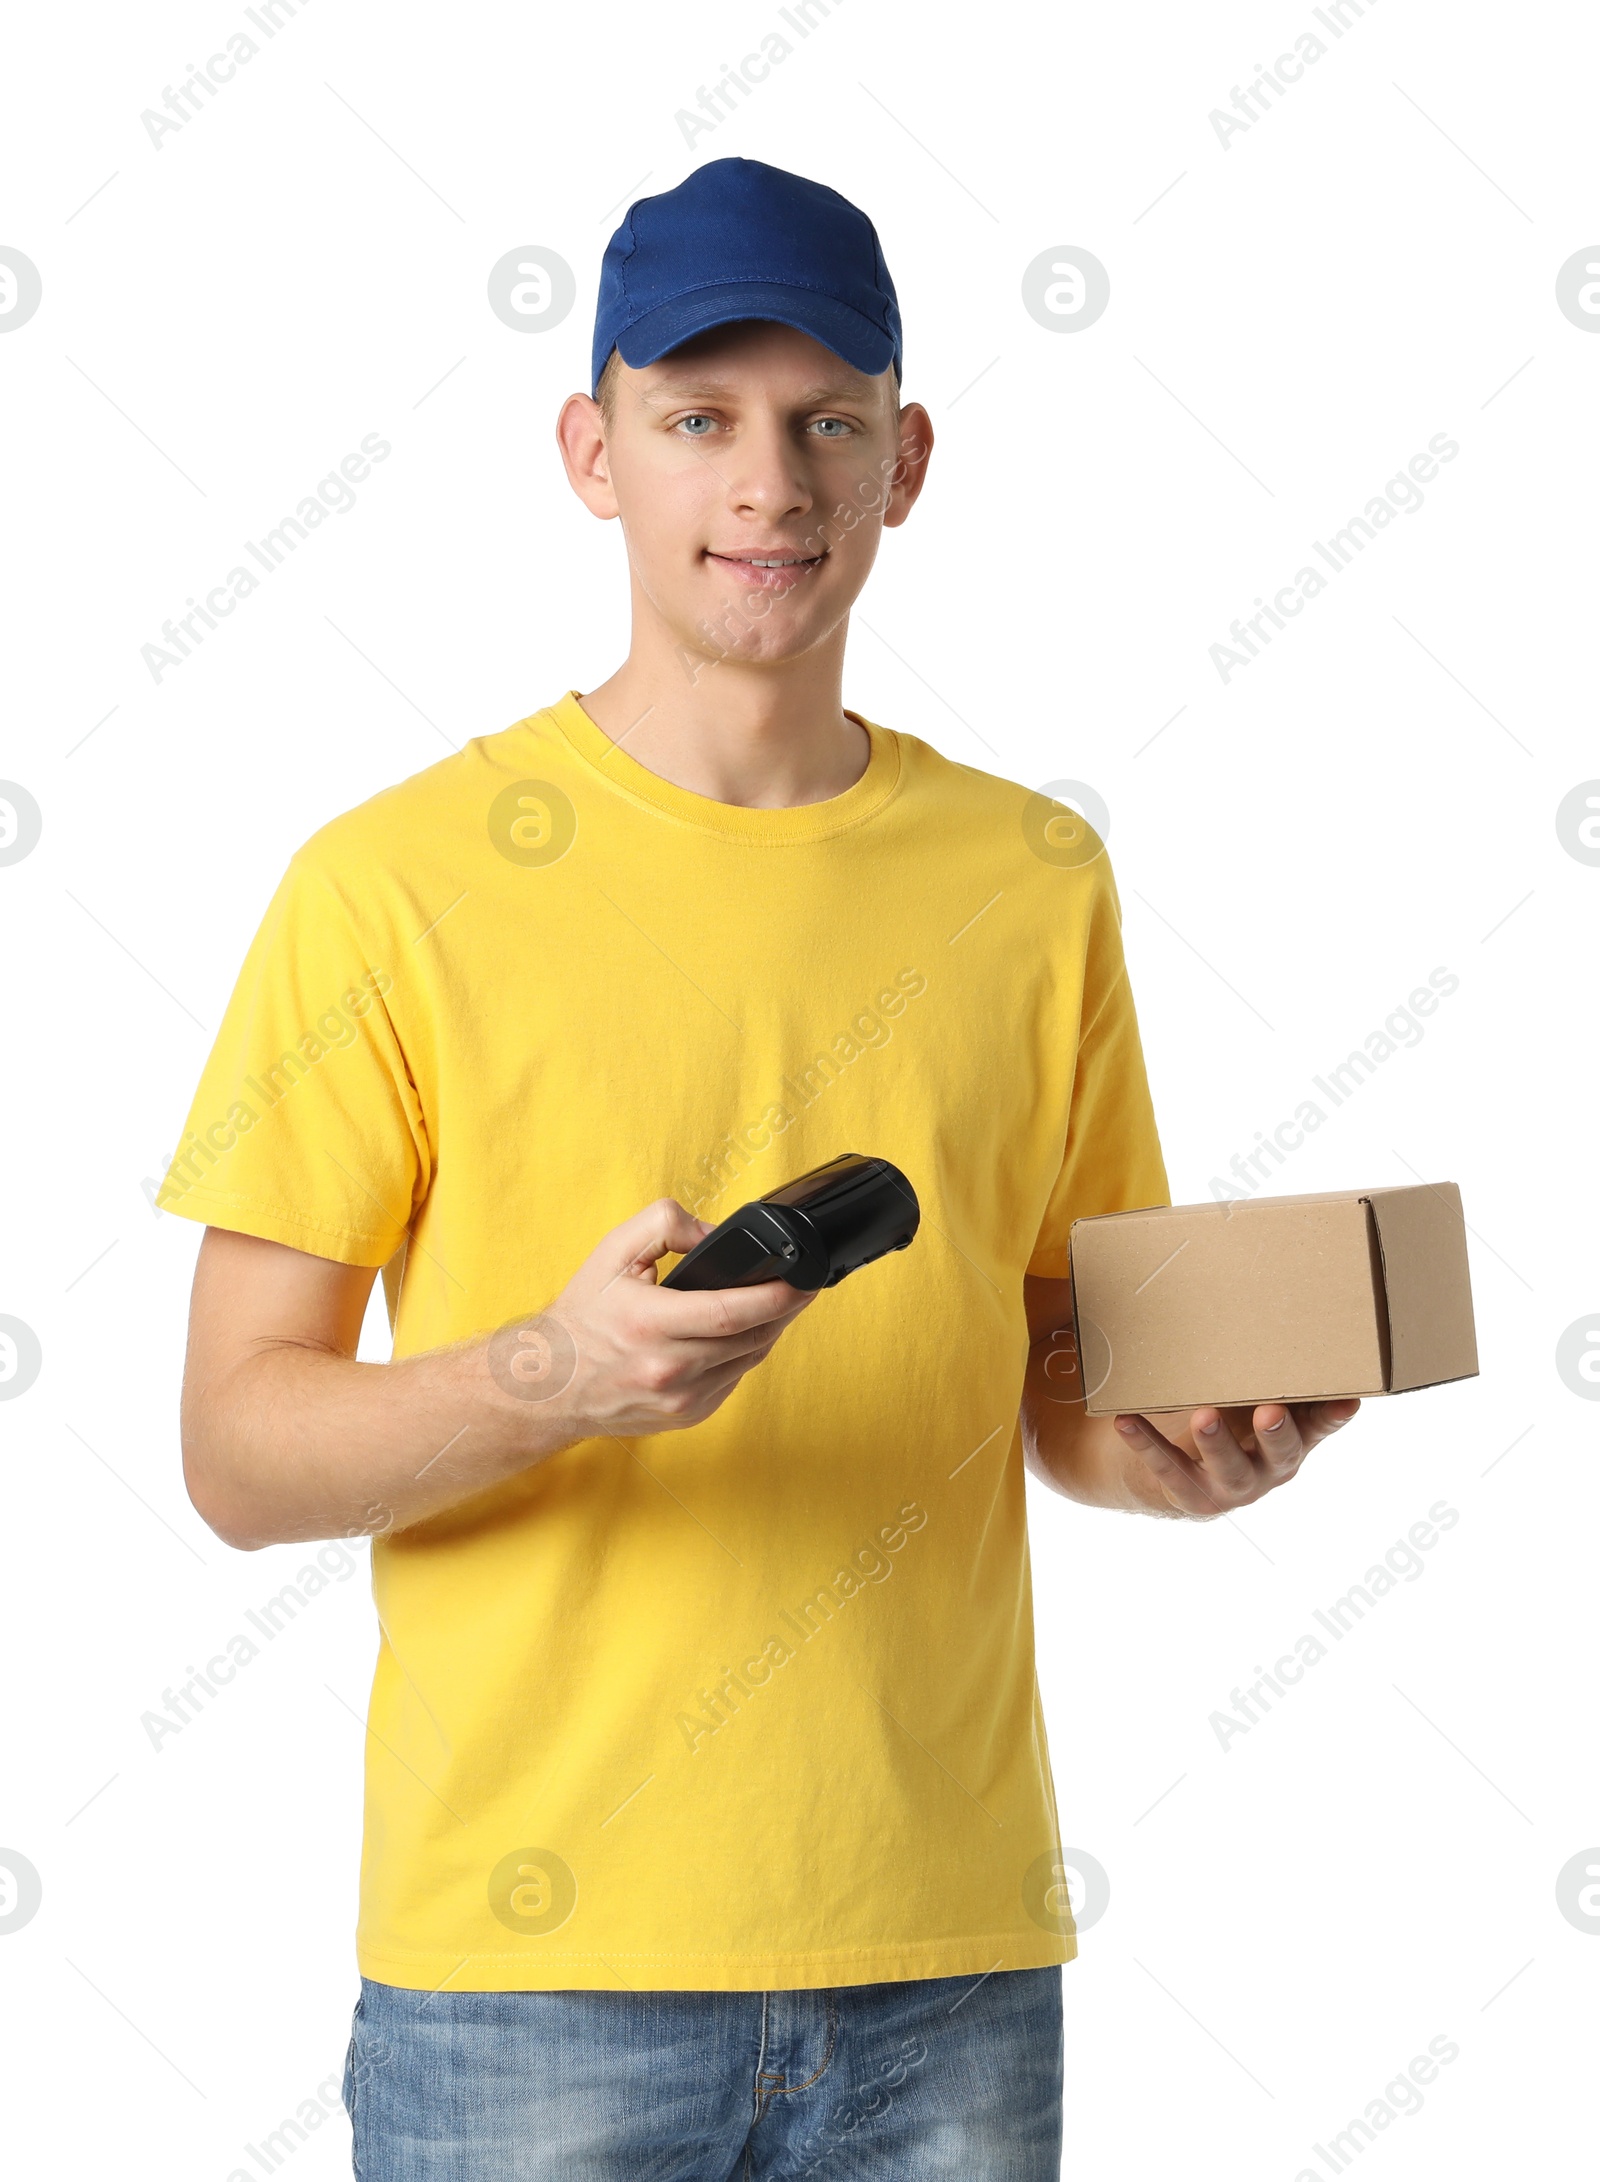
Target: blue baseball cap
740,240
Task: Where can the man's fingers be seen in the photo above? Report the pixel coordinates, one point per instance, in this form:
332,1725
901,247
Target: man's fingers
741,1350
1239,1418
1318,1419
1218,1477
1239,1453
690,1314
1278,1438
719,1314
1180,1476
1224,1461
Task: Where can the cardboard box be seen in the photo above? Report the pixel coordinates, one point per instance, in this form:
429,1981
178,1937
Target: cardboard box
1273,1299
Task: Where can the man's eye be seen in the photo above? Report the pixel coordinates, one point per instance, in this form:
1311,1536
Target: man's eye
832,427
692,425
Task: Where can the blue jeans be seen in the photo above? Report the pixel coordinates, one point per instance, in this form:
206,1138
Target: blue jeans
916,2081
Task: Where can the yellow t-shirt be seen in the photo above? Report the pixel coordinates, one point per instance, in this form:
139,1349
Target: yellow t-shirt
751,1705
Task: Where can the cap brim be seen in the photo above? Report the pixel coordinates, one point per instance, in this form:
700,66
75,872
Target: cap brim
861,344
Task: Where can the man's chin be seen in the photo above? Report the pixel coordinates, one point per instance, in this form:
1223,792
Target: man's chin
727,633
767,656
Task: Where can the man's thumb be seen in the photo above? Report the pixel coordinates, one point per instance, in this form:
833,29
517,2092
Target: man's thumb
660,1229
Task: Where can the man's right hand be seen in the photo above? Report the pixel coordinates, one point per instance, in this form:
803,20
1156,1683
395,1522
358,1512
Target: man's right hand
622,1354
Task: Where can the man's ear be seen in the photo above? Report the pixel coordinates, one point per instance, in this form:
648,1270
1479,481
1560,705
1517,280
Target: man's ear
581,436
916,445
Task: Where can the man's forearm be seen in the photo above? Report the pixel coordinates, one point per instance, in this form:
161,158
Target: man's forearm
1086,1458
287,1436
295,1442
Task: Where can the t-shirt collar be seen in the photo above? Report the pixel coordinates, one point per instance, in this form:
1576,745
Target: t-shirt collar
736,821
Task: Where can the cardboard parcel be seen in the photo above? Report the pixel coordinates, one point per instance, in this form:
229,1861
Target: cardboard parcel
1273,1299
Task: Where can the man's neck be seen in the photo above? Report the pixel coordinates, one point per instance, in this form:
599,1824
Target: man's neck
766,737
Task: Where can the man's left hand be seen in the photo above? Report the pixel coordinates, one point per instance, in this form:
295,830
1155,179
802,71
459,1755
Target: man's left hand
1224,1458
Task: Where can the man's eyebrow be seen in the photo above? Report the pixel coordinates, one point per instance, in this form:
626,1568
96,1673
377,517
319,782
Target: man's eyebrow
811,397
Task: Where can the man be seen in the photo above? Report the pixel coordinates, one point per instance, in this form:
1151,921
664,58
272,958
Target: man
710,1825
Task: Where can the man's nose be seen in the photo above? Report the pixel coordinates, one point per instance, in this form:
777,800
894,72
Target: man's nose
765,475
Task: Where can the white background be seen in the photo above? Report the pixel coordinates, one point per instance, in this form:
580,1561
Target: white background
1292,317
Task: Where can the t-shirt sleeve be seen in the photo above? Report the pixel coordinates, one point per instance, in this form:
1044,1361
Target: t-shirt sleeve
1111,1161
306,1128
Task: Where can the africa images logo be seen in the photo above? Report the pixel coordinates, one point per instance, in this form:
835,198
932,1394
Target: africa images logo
533,1891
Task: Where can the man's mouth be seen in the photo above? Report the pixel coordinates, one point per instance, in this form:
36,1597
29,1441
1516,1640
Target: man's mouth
766,571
